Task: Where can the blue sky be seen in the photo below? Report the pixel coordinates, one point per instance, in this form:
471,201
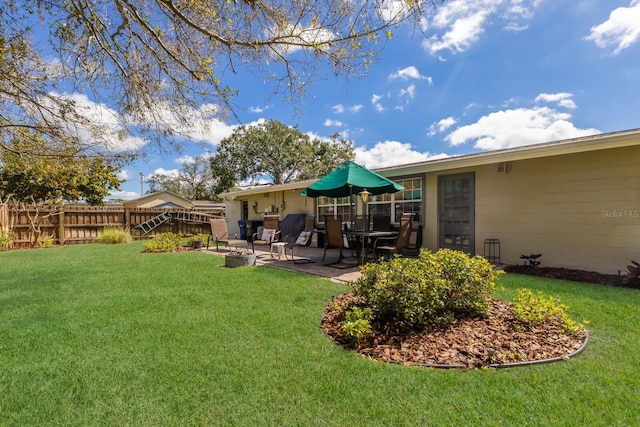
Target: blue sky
492,74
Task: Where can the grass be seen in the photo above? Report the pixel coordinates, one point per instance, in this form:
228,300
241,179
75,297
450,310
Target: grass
107,335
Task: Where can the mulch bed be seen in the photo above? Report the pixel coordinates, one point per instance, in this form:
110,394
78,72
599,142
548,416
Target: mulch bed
466,343
494,341
570,274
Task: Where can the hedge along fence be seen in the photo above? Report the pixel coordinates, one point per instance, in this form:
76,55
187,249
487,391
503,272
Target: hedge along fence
72,224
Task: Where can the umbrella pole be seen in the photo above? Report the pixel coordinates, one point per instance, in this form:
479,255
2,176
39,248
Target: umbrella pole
353,209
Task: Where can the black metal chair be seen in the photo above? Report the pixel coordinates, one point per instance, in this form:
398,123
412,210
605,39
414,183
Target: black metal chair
303,238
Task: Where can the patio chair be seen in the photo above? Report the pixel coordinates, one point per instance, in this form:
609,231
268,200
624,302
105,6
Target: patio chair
301,239
386,247
270,233
220,234
333,237
378,223
381,223
415,238
362,223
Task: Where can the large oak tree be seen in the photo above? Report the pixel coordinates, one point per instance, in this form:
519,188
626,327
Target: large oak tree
274,151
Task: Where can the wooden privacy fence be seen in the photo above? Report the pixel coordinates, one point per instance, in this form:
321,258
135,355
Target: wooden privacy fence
71,224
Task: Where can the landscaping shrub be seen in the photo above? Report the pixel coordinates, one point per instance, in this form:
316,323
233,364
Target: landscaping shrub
188,241
534,309
164,242
114,235
432,289
46,242
357,324
6,240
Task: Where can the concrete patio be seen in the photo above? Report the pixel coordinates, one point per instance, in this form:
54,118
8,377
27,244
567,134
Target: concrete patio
345,272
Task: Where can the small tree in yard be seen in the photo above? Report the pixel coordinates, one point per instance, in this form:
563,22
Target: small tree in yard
194,181
33,176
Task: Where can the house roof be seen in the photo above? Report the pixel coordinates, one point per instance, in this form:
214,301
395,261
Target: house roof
603,141
156,195
298,185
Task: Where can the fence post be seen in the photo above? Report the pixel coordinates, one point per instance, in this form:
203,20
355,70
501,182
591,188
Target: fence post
127,218
61,228
4,217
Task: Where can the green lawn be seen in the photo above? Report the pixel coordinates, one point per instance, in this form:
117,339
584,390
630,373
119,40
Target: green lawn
107,335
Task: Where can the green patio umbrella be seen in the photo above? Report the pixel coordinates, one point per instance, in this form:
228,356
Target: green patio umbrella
350,178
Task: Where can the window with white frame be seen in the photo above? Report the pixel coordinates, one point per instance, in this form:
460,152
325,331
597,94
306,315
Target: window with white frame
334,207
393,205
408,200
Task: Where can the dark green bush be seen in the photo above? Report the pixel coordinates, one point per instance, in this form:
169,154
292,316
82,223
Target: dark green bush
431,289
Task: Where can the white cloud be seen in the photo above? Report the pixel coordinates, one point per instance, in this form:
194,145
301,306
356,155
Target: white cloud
173,173
621,30
344,134
409,92
460,23
292,37
124,195
441,125
461,34
329,123
123,174
314,135
410,72
392,10
391,153
338,109
517,127
112,133
258,110
563,99
199,124
253,182
185,160
375,101
211,132
472,105
518,11
513,101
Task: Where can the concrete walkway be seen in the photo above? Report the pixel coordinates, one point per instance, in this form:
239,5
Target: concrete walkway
345,272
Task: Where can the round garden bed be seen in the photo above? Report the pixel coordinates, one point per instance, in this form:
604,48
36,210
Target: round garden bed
492,341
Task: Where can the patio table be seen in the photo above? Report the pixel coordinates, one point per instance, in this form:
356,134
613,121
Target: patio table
361,237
